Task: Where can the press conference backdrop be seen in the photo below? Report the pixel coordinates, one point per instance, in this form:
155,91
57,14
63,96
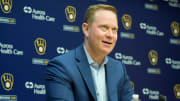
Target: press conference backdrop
34,31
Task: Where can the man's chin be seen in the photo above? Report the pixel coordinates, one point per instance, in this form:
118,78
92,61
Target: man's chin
107,51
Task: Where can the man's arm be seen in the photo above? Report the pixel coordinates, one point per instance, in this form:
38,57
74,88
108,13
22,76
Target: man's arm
58,83
126,90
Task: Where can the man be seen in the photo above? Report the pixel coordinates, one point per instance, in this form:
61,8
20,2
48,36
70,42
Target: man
87,73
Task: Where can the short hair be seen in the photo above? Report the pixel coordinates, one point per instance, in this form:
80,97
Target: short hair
90,12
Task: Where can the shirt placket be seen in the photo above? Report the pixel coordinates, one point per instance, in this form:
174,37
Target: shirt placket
97,83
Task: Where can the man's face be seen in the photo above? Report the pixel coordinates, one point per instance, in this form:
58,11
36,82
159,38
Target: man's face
102,34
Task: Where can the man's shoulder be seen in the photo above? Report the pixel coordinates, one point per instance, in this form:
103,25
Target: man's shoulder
114,61
67,56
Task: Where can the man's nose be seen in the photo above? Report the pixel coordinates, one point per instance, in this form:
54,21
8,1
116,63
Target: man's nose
109,33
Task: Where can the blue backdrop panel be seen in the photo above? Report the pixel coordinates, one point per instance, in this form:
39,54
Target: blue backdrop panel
32,32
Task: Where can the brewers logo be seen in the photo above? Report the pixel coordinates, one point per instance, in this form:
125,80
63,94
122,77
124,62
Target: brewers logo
6,5
132,84
40,45
7,81
177,91
153,57
127,21
70,12
175,28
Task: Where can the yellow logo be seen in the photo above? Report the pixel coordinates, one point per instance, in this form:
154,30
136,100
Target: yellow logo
175,28
13,98
127,21
40,45
132,84
6,5
70,12
177,91
153,57
7,81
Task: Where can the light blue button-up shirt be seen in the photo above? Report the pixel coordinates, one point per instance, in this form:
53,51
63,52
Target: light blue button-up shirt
99,77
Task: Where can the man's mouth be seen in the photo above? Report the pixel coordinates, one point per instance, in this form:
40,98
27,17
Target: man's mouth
106,42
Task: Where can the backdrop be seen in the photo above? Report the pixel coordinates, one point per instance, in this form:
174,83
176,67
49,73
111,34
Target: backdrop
34,31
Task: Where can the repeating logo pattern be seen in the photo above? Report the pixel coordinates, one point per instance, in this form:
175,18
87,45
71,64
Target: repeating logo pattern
6,5
175,28
153,57
70,12
38,14
126,21
40,46
132,84
177,91
7,81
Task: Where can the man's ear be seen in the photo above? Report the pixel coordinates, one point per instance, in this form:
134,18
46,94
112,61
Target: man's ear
85,27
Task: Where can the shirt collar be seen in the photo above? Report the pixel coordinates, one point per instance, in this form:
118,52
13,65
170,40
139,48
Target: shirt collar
91,61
